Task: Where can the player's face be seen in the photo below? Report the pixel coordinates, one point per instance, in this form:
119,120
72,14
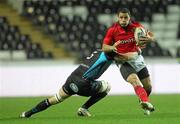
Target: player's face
123,19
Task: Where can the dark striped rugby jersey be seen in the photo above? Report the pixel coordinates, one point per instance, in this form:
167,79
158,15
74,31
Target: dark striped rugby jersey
94,65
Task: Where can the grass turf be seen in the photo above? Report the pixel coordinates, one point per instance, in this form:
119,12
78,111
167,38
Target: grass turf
122,109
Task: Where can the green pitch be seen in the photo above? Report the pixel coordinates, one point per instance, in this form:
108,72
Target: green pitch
111,110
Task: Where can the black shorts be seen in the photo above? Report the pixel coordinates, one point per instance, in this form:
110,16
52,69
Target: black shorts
126,69
76,85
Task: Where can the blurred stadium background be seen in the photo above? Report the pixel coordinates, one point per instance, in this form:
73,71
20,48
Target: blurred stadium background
58,29
42,41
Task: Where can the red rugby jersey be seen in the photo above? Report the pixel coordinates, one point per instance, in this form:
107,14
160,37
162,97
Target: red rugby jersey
126,36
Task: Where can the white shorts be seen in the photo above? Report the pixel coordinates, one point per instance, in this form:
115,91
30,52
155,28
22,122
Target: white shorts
137,63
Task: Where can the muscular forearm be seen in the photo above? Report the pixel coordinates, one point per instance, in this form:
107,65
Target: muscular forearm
125,56
108,48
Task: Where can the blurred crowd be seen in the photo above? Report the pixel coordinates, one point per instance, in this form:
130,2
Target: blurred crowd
80,24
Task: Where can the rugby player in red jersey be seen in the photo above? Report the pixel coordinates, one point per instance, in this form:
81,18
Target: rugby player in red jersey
134,70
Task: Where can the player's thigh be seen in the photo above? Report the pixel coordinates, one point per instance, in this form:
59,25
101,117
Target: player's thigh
77,85
130,74
90,88
126,70
93,87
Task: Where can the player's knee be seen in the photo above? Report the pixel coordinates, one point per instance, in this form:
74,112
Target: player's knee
105,87
58,98
134,80
61,96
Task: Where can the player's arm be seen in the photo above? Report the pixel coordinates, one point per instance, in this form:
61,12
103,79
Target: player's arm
108,45
148,38
110,48
122,57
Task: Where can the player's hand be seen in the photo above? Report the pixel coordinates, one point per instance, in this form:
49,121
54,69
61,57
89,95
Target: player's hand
114,47
142,46
148,38
143,41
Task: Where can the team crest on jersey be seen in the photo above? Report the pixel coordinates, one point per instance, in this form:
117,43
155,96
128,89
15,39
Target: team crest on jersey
74,87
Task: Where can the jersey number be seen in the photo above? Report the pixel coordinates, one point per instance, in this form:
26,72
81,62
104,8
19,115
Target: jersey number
89,57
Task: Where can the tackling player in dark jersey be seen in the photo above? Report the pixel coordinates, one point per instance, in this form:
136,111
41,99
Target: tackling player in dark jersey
82,81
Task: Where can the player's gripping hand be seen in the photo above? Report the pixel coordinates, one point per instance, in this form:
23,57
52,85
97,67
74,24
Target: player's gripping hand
146,39
114,47
110,48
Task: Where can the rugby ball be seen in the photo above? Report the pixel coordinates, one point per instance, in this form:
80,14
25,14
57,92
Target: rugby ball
139,32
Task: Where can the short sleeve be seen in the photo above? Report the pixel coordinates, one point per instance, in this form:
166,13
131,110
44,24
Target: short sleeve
108,39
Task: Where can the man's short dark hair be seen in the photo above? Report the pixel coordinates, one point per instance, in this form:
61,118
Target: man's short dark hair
123,10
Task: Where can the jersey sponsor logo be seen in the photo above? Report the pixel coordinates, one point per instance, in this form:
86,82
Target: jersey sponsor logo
74,87
127,41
